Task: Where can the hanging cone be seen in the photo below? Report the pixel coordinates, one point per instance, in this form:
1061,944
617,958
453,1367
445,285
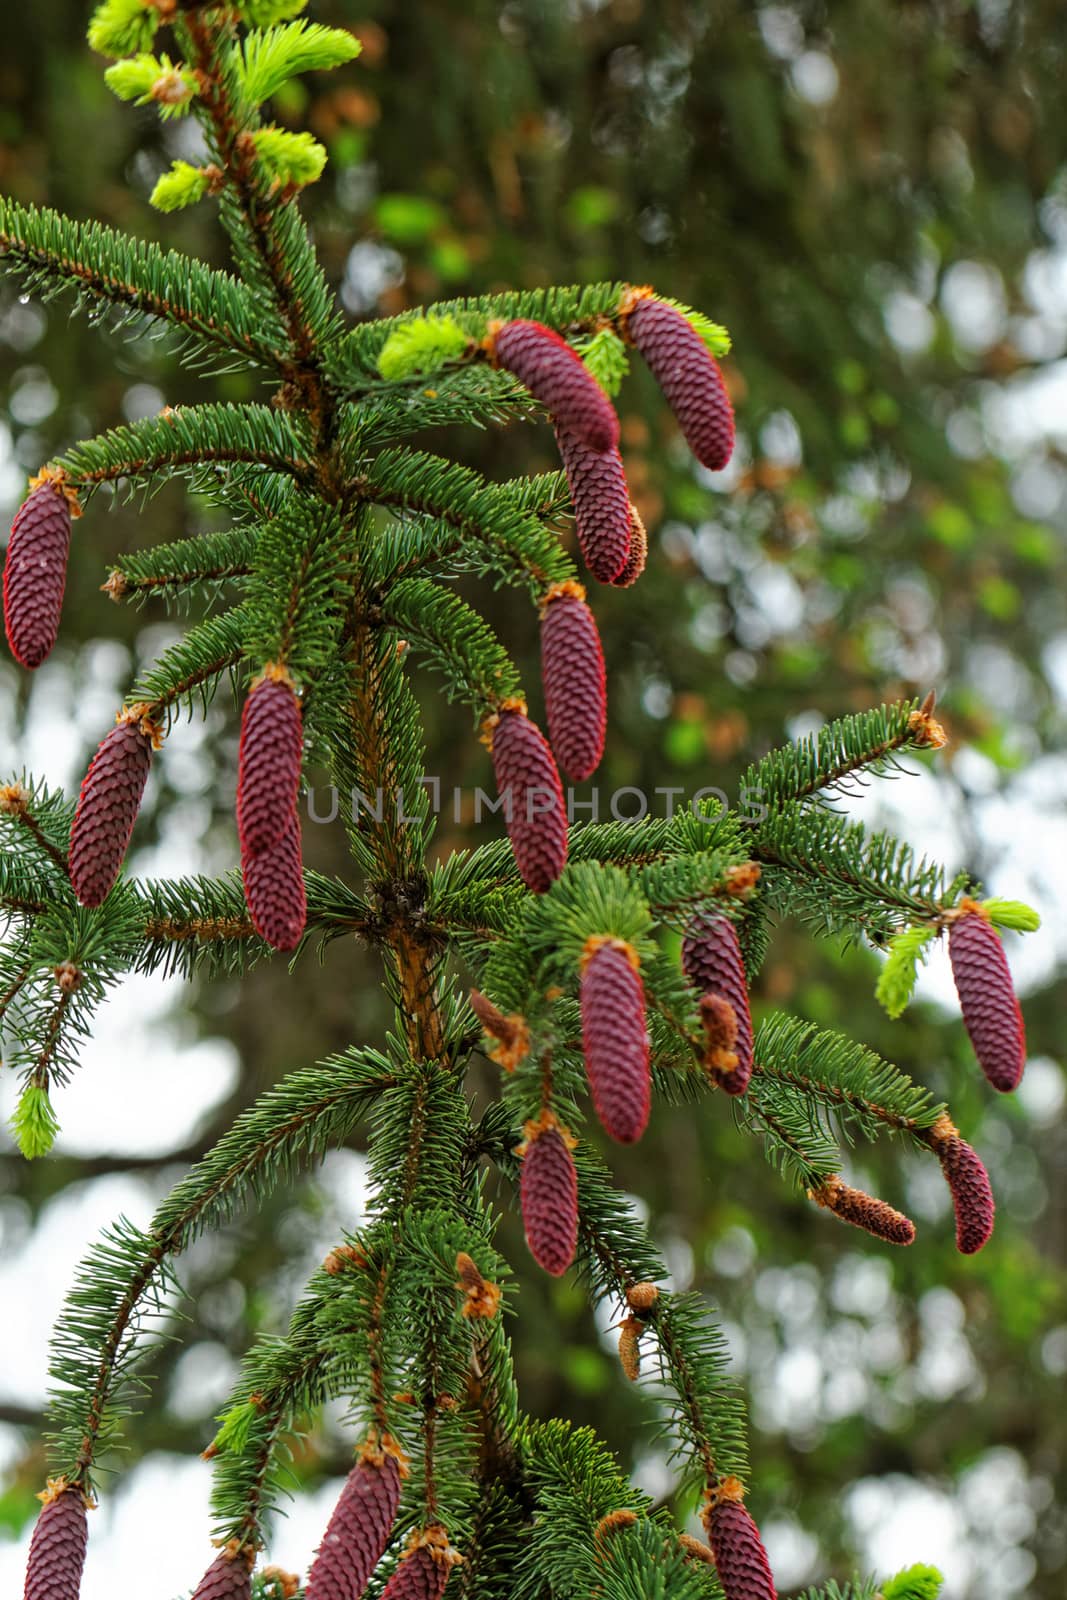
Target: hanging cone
740,1559
528,783
686,371
991,1012
362,1521
268,762
274,890
57,1549
549,1194
603,515
864,1211
35,572
638,556
615,1037
557,376
968,1181
711,959
424,1569
229,1576
572,671
108,804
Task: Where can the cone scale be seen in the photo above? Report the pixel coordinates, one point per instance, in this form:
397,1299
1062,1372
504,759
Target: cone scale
108,805
638,553
528,782
991,1012
359,1529
615,1038
572,671
549,1194
557,376
968,1182
736,1546
274,890
864,1211
603,516
423,1571
35,573
57,1549
268,763
229,1576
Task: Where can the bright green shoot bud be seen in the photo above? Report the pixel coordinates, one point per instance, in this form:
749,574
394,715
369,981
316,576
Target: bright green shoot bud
146,77
123,27
182,186
34,1122
422,345
289,158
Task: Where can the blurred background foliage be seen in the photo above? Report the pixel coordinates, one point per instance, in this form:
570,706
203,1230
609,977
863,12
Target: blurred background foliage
873,199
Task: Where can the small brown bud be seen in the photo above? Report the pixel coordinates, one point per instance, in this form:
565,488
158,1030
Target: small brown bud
641,1297
612,1524
695,1549
482,1297
342,1256
511,1032
630,1331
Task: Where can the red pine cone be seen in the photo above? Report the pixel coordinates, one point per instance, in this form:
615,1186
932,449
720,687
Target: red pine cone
35,573
972,1193
740,1559
615,1040
601,501
689,376
557,376
549,1196
712,961
864,1211
57,1549
274,890
268,763
423,1572
572,671
359,1529
107,808
638,556
229,1577
534,808
991,1012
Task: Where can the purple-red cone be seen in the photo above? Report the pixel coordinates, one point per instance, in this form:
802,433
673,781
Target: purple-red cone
688,375
108,804
557,376
712,961
968,1181
527,781
274,889
268,762
35,573
548,1193
423,1571
991,1012
864,1211
361,1524
615,1038
572,671
601,501
57,1549
740,1559
229,1576
638,556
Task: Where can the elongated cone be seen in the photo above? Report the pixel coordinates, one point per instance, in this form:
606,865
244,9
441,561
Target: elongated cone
549,1194
601,501
229,1576
57,1549
108,804
968,1181
274,890
268,762
423,1571
638,556
362,1521
615,1038
689,376
534,808
991,1012
864,1211
35,573
712,961
572,671
557,376
740,1559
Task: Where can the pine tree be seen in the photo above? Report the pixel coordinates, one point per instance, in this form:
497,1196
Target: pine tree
342,542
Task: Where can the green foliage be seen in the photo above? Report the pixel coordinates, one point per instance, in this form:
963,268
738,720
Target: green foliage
34,1122
896,981
266,13
1014,914
914,1583
269,58
289,158
145,78
122,27
183,185
422,345
607,359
